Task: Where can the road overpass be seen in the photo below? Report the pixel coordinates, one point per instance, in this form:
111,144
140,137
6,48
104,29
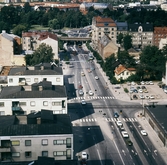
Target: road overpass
63,38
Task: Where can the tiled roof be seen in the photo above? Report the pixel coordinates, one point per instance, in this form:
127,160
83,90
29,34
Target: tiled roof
40,35
60,125
104,22
119,69
19,92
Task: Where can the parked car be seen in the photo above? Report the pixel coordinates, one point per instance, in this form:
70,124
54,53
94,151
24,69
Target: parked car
135,91
124,134
82,74
135,97
147,83
143,132
133,83
151,83
143,87
147,97
142,83
141,96
145,90
140,91
152,97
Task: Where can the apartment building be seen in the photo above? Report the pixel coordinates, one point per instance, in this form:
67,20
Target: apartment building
32,40
34,74
159,33
10,50
103,26
142,34
25,138
15,100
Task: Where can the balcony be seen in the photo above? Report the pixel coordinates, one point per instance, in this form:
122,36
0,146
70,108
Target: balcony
16,108
5,149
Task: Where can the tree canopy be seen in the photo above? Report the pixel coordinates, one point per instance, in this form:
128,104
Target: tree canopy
44,53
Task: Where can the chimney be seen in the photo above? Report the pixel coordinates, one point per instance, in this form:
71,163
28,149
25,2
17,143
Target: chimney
40,88
39,120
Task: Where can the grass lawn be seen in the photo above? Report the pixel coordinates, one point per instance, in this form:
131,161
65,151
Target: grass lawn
39,27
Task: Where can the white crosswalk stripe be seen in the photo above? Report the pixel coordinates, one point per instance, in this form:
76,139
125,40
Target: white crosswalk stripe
91,98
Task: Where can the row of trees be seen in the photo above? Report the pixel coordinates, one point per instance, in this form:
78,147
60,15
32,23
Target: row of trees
21,19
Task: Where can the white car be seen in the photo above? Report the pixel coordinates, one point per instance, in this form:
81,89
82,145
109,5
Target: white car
124,134
91,93
141,96
143,132
151,83
81,92
119,123
133,83
140,91
96,77
152,97
83,102
84,155
142,83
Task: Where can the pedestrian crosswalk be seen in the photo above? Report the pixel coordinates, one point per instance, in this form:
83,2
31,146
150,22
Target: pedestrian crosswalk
92,97
107,120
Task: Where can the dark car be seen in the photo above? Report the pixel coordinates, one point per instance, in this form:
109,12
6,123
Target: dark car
116,115
129,142
135,91
135,97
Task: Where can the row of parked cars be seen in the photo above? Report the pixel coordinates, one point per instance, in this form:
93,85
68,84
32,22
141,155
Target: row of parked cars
140,83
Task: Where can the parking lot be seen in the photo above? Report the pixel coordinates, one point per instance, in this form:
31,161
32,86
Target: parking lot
146,92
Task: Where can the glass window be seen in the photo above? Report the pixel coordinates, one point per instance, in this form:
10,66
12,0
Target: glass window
55,103
1,104
28,79
68,154
32,103
59,153
27,142
63,104
22,103
2,112
45,103
57,79
16,154
68,144
45,153
15,143
28,154
44,142
10,80
36,80
59,142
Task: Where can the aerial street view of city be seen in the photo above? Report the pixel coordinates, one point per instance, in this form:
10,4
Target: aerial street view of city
83,82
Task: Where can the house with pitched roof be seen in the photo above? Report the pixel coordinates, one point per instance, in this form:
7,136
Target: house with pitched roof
103,26
28,75
44,134
106,47
32,40
121,72
10,50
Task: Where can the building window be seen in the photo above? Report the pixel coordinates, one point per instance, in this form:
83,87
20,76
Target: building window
27,142
68,143
45,103
1,104
44,142
57,79
28,154
16,154
32,103
68,154
59,153
2,113
28,79
32,111
45,153
63,104
10,80
55,103
36,80
59,142
22,103
127,73
15,143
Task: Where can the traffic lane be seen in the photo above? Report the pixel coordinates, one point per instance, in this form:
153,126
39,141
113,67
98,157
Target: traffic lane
144,148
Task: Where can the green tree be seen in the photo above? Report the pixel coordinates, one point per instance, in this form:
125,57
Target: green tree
44,53
127,42
27,7
120,38
152,62
18,29
54,24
